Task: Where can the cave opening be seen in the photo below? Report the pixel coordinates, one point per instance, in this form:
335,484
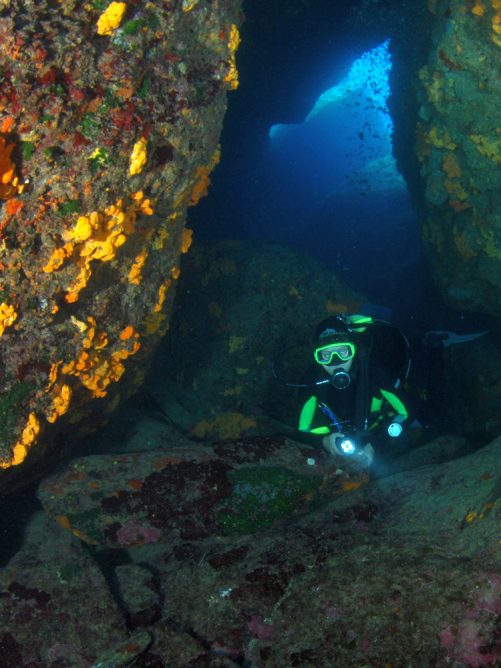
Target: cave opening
336,189
323,179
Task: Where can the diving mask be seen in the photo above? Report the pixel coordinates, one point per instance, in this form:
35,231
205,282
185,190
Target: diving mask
334,353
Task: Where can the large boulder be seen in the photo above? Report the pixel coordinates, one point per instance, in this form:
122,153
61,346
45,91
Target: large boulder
472,389
110,115
191,493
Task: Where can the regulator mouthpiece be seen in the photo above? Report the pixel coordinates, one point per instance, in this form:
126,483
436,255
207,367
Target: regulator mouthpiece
341,380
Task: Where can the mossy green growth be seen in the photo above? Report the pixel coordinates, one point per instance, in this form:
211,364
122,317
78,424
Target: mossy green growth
69,206
99,159
132,26
88,524
90,125
9,403
59,90
27,148
68,572
144,89
261,495
110,101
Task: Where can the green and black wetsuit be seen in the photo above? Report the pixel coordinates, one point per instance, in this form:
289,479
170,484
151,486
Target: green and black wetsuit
326,409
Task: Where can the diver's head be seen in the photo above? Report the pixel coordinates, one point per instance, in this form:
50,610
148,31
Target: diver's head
335,350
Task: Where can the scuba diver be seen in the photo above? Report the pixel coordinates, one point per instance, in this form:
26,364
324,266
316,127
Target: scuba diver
352,396
353,401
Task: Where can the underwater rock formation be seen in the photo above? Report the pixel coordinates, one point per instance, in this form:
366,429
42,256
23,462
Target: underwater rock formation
110,115
403,568
191,493
459,145
52,585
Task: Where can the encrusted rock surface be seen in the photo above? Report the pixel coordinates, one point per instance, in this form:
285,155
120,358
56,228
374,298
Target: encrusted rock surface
404,570
110,115
191,493
459,145
55,607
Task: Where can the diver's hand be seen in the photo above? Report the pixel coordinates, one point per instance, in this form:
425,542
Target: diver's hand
329,443
362,457
365,456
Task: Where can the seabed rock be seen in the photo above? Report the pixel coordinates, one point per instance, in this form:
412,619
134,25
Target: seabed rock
404,570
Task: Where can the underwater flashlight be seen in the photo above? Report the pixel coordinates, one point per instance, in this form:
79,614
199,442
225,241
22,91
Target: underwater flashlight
346,445
394,429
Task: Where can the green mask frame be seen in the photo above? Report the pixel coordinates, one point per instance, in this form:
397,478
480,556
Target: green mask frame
335,352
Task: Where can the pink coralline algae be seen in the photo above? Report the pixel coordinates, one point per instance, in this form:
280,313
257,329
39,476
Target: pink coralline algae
134,533
472,641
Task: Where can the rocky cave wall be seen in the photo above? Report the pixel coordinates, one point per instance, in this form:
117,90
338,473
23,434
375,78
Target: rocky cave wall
459,146
110,116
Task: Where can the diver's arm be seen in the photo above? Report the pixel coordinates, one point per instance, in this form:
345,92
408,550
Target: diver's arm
396,404
314,435
308,438
388,402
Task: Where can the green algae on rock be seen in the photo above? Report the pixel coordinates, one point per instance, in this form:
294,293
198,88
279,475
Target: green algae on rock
262,494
